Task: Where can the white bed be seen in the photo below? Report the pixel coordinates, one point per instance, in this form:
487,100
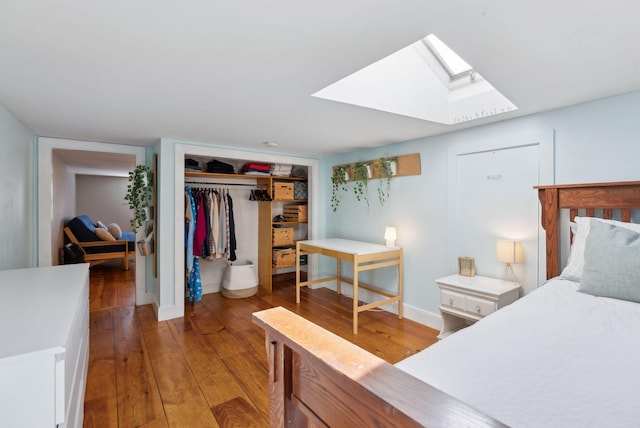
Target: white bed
579,354
565,355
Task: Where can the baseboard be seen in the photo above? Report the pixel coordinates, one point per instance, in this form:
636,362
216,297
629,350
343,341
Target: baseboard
164,313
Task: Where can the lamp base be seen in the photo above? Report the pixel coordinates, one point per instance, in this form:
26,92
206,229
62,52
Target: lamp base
509,274
391,243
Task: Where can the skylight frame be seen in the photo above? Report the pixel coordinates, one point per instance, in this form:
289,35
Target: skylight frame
440,56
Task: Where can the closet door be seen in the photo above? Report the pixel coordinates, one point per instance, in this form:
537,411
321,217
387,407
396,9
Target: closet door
495,199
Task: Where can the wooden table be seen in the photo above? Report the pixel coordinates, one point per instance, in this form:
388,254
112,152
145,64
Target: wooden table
364,256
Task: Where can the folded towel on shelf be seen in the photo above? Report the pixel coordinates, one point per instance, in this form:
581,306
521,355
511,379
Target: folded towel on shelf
255,166
191,165
280,170
219,167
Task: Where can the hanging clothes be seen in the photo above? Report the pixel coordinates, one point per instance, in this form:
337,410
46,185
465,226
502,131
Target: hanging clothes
232,230
201,226
195,282
222,242
211,225
190,218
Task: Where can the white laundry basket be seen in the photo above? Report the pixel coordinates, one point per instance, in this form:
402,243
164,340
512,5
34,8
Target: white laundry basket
240,280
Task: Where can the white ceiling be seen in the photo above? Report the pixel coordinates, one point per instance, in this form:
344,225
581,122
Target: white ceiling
242,72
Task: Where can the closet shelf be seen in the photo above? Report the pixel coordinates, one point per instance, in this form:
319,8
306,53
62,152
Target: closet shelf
197,174
289,222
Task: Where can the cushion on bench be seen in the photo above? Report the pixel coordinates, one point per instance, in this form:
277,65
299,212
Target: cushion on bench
84,230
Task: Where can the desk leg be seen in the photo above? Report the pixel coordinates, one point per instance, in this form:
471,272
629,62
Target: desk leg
297,272
355,294
400,288
339,277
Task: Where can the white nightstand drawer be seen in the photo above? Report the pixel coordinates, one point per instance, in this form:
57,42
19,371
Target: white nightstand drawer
464,300
454,300
479,306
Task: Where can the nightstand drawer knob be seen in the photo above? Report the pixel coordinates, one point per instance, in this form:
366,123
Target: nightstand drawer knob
478,309
450,301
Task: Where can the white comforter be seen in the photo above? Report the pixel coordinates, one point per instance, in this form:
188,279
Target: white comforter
555,358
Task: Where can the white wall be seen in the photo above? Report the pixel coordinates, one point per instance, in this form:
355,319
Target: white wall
63,209
16,194
102,198
591,142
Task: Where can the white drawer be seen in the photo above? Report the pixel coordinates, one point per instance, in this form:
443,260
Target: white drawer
454,300
479,307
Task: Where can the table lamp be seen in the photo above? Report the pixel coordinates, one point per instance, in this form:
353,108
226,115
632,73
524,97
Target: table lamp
509,252
390,236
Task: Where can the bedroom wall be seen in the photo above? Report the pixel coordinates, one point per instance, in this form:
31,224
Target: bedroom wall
102,198
591,142
18,248
63,209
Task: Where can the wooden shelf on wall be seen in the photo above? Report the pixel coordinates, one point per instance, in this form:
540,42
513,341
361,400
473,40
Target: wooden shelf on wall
406,165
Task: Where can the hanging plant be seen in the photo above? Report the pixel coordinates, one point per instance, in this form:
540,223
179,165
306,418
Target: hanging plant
387,168
339,180
361,175
139,192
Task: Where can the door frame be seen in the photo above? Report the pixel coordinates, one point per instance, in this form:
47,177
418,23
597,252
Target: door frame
44,177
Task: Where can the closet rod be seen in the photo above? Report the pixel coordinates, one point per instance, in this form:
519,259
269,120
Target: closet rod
202,184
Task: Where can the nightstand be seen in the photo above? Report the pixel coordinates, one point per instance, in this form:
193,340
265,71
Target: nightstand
465,299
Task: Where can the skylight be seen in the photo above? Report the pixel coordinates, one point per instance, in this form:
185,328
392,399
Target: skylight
426,80
449,60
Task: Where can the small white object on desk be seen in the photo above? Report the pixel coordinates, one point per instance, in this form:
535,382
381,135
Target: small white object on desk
465,299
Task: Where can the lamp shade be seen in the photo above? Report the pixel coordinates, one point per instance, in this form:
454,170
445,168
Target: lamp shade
390,233
508,251
390,236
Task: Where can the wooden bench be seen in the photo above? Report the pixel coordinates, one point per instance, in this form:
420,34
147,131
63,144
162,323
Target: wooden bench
120,250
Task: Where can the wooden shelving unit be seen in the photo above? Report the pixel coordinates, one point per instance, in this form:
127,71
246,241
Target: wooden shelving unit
266,213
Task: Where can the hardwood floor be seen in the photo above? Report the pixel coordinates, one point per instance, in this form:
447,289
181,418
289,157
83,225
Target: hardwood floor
208,368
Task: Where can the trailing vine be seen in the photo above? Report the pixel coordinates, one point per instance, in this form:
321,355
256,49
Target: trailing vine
338,183
385,172
361,178
139,192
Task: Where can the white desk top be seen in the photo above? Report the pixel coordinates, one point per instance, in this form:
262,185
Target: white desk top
348,246
37,306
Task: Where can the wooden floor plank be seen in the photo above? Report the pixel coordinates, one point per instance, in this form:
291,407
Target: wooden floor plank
101,399
184,402
253,378
238,413
216,382
209,367
139,399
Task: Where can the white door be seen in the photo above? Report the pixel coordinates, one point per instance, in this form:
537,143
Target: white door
495,199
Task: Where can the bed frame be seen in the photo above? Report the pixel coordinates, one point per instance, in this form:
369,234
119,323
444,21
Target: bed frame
317,379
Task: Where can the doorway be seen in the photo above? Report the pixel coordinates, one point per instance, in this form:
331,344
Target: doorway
57,188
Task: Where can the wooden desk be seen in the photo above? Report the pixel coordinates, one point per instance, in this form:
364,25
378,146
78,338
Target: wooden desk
364,256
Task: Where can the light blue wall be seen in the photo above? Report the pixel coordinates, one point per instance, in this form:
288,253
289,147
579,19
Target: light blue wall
16,195
596,141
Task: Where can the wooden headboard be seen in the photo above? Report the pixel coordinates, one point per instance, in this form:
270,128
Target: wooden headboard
601,199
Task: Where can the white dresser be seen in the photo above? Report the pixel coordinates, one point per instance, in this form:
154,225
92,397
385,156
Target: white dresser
465,299
44,346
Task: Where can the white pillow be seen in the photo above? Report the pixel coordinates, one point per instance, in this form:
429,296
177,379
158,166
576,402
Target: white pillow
101,225
575,263
104,235
115,230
